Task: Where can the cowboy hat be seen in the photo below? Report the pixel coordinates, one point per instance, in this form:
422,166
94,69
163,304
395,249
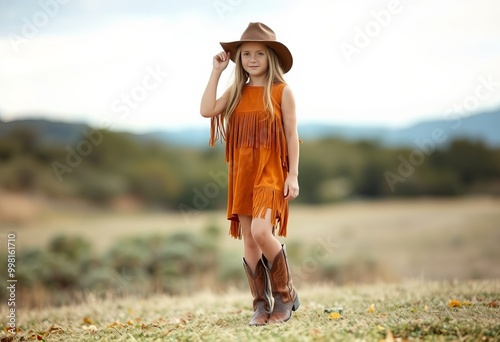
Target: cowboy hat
260,33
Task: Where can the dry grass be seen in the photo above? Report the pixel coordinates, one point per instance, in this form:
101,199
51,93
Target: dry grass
414,238
18,209
407,311
419,243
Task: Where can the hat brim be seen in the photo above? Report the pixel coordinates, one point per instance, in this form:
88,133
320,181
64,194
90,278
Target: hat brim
284,55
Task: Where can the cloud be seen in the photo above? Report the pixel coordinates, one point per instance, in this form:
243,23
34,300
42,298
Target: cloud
427,58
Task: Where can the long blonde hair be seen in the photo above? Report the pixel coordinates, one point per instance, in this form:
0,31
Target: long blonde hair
274,74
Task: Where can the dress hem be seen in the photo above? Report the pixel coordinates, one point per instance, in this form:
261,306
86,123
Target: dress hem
265,198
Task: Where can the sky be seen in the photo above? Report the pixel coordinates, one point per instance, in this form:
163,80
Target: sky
143,65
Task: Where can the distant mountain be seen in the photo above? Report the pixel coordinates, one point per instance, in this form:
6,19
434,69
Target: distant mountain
480,127
47,132
193,137
483,127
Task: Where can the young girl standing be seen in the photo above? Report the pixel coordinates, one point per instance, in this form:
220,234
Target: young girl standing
256,118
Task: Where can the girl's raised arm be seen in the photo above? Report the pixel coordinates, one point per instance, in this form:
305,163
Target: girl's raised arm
210,105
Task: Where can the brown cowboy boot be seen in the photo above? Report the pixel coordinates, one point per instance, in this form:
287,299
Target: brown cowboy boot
261,292
286,299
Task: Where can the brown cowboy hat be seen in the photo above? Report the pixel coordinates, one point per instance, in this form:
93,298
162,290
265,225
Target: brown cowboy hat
260,33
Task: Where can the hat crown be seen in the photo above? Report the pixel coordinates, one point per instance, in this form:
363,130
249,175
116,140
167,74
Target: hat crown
258,31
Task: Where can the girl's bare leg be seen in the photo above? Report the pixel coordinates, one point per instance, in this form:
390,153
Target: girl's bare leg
252,251
262,234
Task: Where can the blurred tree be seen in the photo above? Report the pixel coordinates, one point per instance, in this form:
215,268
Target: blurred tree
27,139
103,166
471,161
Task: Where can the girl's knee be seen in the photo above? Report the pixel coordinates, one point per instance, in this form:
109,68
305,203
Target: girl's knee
261,233
249,241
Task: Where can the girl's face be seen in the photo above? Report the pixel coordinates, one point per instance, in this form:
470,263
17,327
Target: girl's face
254,59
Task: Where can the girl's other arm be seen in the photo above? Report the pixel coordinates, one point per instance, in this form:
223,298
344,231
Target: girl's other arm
292,139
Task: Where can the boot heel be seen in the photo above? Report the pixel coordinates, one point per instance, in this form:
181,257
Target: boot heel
286,299
296,303
260,287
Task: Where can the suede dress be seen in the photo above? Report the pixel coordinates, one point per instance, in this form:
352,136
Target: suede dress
256,153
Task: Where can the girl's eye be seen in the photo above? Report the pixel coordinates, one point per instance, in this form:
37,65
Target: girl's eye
261,53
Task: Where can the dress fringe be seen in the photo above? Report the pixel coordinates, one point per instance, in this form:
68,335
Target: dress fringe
255,129
265,198
217,129
235,229
268,198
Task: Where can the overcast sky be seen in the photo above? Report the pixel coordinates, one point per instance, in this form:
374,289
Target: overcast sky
143,65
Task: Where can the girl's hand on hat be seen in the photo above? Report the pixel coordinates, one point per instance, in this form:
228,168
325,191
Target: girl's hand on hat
221,60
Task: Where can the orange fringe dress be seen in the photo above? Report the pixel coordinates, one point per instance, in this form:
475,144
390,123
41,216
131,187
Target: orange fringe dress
256,151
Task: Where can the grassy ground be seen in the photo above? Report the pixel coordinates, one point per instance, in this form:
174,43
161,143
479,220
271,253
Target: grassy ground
426,239
431,311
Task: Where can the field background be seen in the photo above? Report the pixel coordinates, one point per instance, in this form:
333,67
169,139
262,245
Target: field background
410,238
409,258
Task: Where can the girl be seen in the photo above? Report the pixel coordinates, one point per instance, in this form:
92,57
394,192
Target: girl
256,118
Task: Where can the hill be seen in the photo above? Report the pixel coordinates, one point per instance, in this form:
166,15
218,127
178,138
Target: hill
479,127
46,132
